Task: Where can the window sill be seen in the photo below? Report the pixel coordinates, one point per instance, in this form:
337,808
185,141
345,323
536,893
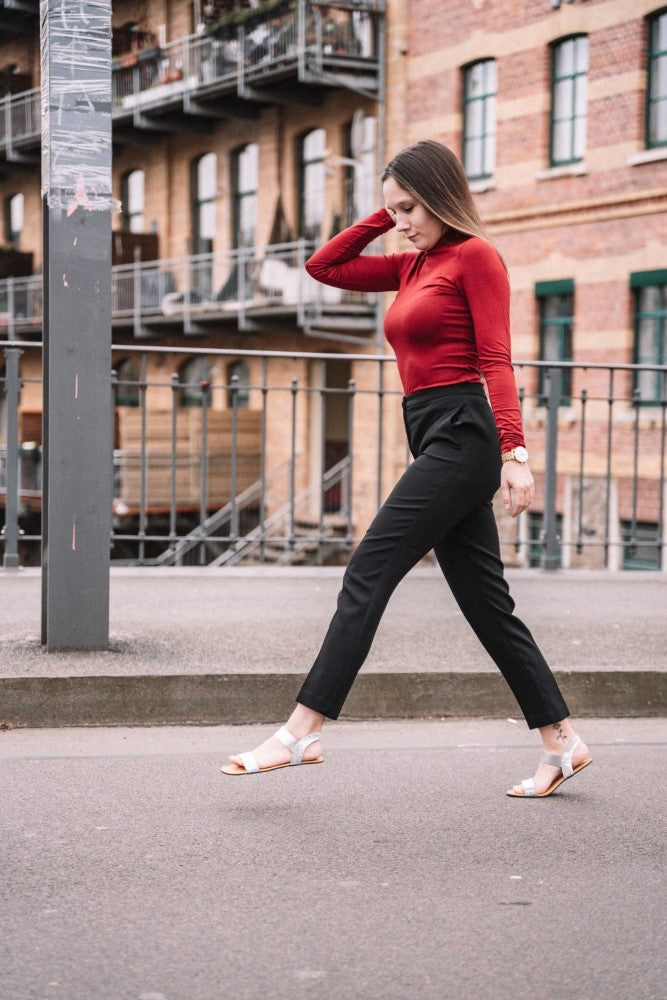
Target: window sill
648,156
482,185
569,170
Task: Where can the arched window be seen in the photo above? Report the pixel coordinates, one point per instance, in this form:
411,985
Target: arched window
14,213
242,372
132,198
127,386
479,119
204,187
311,184
245,180
656,90
193,372
360,177
569,100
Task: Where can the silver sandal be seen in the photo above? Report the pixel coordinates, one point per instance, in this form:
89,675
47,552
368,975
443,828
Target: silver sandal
296,747
561,760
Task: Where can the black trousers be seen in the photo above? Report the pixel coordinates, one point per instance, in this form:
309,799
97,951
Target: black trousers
442,502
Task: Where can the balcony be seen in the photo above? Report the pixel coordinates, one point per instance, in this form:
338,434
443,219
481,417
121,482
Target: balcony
282,58
254,289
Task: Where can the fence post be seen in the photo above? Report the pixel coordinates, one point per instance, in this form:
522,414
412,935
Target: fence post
11,529
550,557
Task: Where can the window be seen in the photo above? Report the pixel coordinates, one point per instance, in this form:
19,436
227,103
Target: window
535,549
569,86
641,545
360,176
650,301
656,102
204,182
556,312
127,386
245,179
311,184
479,119
240,370
192,374
14,211
132,197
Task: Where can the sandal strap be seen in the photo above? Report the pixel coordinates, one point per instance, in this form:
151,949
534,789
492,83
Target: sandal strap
249,762
296,747
562,760
528,786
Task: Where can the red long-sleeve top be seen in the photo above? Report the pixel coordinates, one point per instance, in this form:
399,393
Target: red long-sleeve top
450,318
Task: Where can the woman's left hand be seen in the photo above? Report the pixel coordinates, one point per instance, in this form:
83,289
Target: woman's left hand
518,487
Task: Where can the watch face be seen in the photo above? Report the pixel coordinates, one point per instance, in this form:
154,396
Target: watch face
521,454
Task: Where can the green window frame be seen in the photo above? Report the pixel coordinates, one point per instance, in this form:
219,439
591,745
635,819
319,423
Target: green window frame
242,372
480,85
650,333
311,184
641,545
535,549
192,373
556,320
569,100
656,84
128,385
132,198
245,182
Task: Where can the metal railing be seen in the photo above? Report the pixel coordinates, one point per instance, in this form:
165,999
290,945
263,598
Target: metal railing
319,48
198,287
249,472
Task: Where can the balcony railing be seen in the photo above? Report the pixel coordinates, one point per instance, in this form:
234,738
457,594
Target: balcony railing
192,291
249,473
300,45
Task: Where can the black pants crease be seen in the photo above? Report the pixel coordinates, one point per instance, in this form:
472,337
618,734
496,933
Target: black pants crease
442,502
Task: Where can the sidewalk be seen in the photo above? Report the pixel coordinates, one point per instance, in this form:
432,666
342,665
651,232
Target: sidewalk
398,869
214,646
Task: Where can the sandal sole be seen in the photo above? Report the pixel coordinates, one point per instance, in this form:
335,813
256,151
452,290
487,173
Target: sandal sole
556,783
236,769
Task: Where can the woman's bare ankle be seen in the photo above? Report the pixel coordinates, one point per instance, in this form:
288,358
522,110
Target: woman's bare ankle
303,721
557,736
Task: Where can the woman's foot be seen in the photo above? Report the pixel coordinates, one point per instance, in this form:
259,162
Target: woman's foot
272,753
556,739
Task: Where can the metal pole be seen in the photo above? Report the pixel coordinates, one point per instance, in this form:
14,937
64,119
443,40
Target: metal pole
76,196
550,559
11,529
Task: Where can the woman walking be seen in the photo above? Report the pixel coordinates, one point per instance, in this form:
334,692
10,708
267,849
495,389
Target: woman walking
449,322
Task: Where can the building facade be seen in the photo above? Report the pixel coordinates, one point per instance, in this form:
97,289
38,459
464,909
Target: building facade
245,134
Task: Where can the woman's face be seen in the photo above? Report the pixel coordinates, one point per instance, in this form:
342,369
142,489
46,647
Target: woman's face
413,218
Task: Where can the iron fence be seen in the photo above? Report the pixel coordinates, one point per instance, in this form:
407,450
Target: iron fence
227,457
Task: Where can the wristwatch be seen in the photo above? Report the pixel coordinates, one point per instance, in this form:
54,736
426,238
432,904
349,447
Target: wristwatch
518,454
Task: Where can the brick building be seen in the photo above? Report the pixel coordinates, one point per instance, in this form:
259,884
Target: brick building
243,136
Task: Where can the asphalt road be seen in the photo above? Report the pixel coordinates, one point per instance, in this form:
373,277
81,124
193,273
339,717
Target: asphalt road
133,870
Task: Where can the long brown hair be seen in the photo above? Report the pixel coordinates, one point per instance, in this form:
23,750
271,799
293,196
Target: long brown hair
434,176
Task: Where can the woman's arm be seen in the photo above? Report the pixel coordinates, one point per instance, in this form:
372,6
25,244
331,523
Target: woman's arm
339,263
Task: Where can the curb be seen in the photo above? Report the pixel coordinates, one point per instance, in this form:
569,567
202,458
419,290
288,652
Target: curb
242,699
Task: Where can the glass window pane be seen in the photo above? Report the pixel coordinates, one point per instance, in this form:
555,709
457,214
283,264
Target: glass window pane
490,154
16,214
659,81
206,176
579,148
658,122
562,141
563,99
474,120
659,33
647,341
580,95
207,220
248,168
313,144
650,298
474,158
564,58
475,80
491,76
581,54
135,192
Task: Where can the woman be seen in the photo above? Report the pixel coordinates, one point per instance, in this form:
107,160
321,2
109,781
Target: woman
448,322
